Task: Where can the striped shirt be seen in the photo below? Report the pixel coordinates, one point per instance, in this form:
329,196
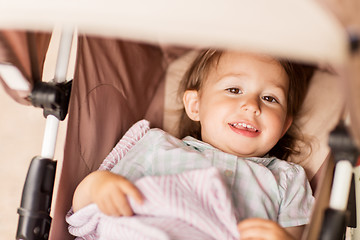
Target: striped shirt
197,204
193,205
266,188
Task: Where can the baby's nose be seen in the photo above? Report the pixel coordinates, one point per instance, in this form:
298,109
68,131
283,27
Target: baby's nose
251,106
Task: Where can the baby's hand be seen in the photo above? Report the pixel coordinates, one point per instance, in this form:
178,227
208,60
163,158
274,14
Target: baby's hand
256,228
109,192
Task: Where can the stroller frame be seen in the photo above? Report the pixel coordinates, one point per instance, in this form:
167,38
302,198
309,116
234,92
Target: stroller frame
34,218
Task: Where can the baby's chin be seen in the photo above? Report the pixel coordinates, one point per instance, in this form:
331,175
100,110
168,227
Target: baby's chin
238,150
244,153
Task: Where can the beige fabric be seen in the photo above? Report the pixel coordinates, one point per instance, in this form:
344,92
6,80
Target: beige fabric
347,13
322,110
297,28
173,102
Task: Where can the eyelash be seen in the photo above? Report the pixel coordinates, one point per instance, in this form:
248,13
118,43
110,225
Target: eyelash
234,90
270,99
265,98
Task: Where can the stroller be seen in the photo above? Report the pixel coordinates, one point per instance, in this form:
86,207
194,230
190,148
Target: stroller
101,62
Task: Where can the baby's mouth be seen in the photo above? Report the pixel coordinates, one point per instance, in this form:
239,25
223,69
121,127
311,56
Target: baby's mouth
244,126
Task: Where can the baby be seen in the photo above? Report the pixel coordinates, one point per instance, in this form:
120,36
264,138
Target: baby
238,116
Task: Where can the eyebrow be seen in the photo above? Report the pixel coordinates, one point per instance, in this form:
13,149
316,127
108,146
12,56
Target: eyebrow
281,86
230,75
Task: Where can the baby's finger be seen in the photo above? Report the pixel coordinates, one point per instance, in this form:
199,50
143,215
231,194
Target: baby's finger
127,210
123,206
261,229
254,233
130,189
250,229
255,222
118,202
108,207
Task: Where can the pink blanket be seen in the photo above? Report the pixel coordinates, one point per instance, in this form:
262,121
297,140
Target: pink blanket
191,205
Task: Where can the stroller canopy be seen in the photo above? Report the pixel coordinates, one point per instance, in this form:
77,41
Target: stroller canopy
297,29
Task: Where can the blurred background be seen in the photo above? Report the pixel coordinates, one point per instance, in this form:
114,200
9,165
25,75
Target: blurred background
21,135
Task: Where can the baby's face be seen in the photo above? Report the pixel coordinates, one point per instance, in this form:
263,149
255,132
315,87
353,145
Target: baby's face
242,106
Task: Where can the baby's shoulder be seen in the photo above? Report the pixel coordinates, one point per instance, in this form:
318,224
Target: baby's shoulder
288,171
285,166
158,137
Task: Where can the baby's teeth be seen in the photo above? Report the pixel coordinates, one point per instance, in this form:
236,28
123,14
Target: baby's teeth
243,125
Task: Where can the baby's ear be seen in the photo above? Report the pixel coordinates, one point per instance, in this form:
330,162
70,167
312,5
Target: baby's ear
191,104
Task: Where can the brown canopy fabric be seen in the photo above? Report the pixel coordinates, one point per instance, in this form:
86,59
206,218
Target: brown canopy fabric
116,83
18,48
109,94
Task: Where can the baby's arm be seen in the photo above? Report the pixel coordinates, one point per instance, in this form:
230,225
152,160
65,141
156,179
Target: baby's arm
109,191
256,228
106,189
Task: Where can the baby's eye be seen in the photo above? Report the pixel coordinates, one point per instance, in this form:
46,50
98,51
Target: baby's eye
270,99
234,90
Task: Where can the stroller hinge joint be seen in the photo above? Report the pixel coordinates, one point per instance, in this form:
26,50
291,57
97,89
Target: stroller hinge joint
52,97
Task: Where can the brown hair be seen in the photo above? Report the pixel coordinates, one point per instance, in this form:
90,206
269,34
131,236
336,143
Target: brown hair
299,76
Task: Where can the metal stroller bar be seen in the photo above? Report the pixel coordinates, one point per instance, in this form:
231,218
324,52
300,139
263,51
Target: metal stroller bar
50,135
52,122
64,54
53,97
336,216
341,185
